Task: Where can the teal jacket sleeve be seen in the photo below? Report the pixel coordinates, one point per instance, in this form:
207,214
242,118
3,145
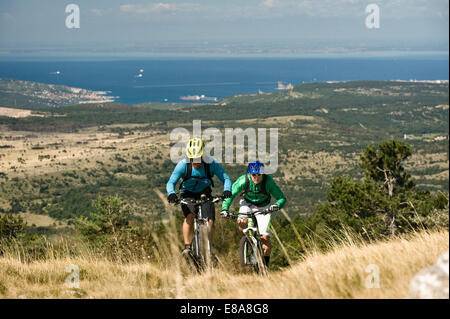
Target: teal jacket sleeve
218,170
178,172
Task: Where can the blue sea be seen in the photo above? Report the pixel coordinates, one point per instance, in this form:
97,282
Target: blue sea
167,79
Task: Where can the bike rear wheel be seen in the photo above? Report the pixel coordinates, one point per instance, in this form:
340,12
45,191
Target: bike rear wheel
251,256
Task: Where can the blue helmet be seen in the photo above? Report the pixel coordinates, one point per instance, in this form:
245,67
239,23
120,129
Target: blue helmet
255,168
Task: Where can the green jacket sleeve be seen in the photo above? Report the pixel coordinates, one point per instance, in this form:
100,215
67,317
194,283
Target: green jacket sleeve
238,187
275,191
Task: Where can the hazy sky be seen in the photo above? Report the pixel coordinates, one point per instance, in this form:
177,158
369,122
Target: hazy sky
410,24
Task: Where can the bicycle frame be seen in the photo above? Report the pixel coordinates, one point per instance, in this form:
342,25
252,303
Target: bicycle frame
252,226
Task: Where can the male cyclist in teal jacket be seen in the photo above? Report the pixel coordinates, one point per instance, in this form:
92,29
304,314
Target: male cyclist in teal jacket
258,189
197,180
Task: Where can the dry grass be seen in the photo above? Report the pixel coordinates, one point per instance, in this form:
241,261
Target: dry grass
74,150
10,112
17,113
42,220
340,273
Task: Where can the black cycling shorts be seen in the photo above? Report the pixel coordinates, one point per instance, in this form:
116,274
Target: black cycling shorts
208,208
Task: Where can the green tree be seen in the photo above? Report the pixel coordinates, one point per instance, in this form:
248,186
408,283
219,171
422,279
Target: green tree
110,218
384,164
385,203
11,226
114,231
360,206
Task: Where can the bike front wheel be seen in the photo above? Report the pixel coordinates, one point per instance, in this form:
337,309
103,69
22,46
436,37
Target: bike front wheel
202,248
251,256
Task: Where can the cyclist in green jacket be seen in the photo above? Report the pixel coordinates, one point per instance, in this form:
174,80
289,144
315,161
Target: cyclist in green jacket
257,189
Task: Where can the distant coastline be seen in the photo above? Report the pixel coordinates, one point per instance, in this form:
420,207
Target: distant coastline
166,80
412,81
18,95
22,93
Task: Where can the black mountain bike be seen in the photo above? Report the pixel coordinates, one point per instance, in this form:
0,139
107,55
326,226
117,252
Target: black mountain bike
200,256
251,255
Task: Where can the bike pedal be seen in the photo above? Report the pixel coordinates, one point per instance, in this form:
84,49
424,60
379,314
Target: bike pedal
186,252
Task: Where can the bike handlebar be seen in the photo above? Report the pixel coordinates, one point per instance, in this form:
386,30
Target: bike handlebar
262,212
188,201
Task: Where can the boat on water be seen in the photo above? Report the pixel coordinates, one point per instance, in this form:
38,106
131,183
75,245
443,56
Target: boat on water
197,98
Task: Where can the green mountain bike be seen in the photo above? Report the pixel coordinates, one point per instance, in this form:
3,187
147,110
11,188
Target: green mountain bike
251,255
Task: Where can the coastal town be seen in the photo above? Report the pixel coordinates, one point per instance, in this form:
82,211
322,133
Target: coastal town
28,94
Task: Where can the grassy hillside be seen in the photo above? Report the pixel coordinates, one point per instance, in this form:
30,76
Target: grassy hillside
340,273
57,163
54,165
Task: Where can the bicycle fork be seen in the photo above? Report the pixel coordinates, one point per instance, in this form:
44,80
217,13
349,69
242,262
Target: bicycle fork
250,232
208,230
199,252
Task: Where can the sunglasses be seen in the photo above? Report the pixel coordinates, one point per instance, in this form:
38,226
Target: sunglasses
254,175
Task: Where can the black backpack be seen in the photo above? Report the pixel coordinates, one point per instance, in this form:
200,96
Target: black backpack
263,188
189,173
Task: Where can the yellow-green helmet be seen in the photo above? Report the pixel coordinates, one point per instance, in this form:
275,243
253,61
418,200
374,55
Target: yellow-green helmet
194,148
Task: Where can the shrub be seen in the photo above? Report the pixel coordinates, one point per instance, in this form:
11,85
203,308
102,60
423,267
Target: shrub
111,230
11,226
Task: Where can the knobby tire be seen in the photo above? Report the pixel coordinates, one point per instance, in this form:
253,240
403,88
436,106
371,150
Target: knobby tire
251,257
